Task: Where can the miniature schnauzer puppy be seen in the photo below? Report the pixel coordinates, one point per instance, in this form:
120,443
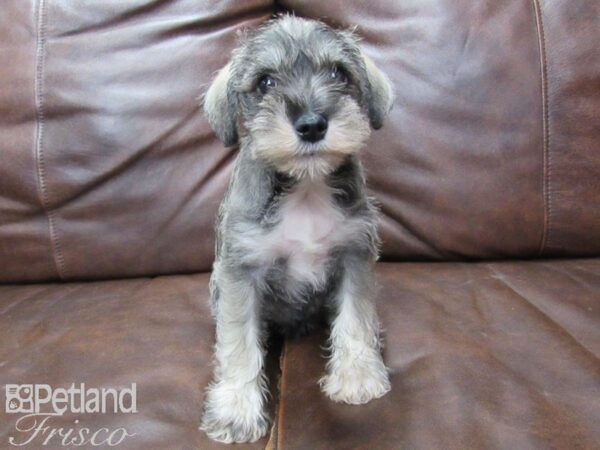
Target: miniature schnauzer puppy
296,232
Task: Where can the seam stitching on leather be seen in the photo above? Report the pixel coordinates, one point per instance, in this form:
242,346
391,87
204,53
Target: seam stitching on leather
547,199
39,156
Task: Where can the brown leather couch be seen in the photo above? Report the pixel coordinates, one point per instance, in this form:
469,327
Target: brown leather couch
488,175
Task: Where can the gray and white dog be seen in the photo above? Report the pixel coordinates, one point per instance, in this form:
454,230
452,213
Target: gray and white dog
296,233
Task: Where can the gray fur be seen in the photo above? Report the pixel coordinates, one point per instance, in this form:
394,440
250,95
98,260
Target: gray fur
261,293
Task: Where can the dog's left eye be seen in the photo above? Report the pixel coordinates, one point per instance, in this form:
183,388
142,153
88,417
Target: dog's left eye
338,74
266,82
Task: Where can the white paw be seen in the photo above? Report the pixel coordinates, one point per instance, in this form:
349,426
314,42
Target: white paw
234,414
357,383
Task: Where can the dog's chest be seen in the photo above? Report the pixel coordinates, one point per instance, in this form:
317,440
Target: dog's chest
309,227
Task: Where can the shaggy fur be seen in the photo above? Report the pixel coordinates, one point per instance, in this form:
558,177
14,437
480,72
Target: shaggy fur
296,231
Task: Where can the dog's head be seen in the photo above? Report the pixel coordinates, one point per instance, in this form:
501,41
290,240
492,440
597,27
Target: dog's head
301,94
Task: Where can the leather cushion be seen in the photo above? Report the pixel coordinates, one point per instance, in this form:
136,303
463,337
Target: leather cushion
109,168
482,356
155,332
492,146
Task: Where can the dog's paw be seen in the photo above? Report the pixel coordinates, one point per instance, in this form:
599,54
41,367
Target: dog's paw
234,414
234,429
357,384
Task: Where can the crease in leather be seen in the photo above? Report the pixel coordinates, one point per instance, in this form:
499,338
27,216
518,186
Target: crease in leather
584,269
219,21
128,161
57,255
546,194
578,280
214,171
526,383
419,237
463,47
544,315
144,8
18,301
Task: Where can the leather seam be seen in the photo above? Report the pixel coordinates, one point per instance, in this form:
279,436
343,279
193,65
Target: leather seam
546,194
282,390
40,123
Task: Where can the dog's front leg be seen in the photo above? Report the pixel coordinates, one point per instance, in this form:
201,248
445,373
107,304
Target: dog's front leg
356,373
234,406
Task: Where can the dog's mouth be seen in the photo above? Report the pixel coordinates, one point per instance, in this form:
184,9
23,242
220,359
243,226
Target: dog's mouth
310,153
316,150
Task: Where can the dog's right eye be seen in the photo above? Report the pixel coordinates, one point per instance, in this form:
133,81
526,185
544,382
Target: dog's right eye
265,83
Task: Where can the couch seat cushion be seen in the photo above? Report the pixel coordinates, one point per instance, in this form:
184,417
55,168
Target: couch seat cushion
155,332
487,355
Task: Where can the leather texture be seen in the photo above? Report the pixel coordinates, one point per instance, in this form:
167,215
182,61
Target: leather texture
109,168
482,356
157,333
492,146
571,69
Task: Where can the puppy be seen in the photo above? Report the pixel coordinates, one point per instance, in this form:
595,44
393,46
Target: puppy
296,232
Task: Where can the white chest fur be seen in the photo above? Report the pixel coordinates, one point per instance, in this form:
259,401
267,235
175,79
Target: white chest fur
310,226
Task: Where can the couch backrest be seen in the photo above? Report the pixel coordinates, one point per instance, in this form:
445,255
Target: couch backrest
109,169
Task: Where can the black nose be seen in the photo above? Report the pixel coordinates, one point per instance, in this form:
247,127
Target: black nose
311,127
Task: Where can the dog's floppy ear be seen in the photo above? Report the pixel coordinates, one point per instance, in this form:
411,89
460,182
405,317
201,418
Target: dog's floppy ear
220,107
380,97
